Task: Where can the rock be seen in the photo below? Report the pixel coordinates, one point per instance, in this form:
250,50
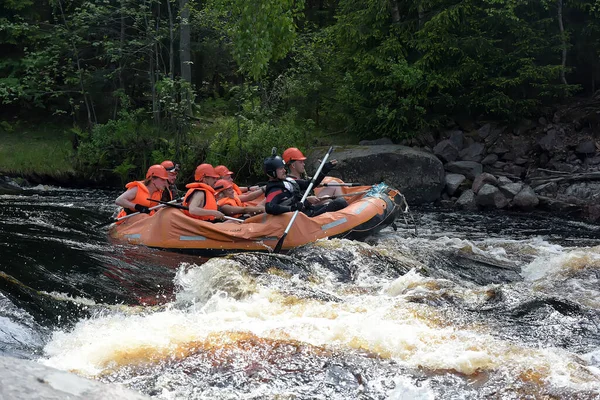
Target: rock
503,180
584,190
484,131
543,121
510,156
550,141
510,190
526,199
8,186
499,164
453,182
490,159
586,147
419,175
466,201
490,196
499,150
593,160
546,188
376,142
472,153
470,169
22,379
514,170
446,150
521,161
591,213
457,137
483,179
494,135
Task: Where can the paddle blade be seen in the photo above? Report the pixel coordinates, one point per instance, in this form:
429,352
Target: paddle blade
105,223
280,243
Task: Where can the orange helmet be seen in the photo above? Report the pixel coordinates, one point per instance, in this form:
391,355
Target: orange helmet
157,171
293,154
222,184
203,170
222,170
170,166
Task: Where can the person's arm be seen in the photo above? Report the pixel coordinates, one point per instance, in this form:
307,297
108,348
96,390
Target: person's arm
234,210
272,206
125,200
196,206
248,196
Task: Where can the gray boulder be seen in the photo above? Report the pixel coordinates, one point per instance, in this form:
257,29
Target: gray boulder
446,150
526,199
490,159
28,380
472,153
376,142
458,138
466,201
510,190
470,169
490,196
453,182
419,175
483,179
586,147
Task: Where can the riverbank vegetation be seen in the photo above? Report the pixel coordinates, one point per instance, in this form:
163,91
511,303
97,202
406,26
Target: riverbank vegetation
223,81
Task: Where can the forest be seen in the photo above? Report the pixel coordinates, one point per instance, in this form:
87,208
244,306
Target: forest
134,82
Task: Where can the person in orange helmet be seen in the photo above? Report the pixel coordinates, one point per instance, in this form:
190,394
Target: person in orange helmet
295,162
135,199
200,197
245,194
230,204
172,192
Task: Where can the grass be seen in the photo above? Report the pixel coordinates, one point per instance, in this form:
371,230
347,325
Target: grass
44,149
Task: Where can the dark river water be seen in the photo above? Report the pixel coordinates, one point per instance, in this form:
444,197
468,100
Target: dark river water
477,306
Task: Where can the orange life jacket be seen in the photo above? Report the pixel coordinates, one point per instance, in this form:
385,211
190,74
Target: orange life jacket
235,202
237,189
210,203
141,198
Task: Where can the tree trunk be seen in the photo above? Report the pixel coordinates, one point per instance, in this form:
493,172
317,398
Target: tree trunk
171,42
395,11
184,50
559,4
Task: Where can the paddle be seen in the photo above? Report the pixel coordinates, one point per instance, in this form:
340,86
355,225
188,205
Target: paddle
334,184
135,213
180,207
310,186
343,195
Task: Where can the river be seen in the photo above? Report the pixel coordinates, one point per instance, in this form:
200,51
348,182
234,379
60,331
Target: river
478,305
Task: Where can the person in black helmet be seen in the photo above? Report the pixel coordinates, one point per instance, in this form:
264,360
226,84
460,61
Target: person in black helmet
284,194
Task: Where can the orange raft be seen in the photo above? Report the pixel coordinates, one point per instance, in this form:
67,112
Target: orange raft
370,209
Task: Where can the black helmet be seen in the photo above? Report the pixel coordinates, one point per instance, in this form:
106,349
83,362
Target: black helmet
272,163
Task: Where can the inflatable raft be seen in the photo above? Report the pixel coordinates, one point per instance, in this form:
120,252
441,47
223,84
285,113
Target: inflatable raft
370,209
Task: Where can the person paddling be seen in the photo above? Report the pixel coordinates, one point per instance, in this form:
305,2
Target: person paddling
245,194
135,199
295,162
172,192
230,204
283,194
200,197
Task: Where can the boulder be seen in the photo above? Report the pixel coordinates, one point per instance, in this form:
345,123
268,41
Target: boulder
419,175
453,182
510,190
483,179
490,197
470,169
546,188
502,180
586,147
484,131
490,159
466,201
8,186
376,142
458,138
22,379
526,199
446,150
472,153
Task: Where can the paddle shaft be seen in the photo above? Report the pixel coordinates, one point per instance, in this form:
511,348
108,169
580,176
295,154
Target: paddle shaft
310,186
168,204
164,204
335,184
